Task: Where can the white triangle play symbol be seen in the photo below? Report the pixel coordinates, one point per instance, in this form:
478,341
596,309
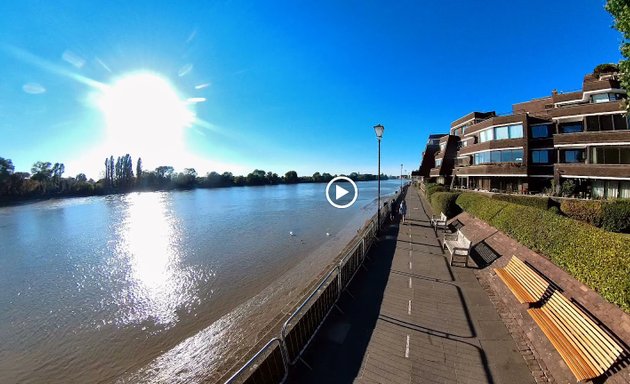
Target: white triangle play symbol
340,192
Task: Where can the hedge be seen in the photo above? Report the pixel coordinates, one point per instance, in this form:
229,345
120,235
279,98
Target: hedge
529,201
431,189
445,202
593,256
616,216
590,212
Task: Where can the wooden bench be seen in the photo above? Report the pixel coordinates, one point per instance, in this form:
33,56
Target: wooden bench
527,285
457,244
585,347
441,222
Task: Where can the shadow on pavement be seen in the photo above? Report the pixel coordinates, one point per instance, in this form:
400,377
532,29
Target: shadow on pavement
336,353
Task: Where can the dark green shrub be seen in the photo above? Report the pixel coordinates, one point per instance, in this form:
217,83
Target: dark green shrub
445,202
616,216
590,212
593,256
605,68
433,189
530,201
567,188
554,209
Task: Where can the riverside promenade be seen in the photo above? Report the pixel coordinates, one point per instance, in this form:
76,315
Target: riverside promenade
409,317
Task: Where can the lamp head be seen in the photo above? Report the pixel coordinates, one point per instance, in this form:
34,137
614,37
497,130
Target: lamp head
379,131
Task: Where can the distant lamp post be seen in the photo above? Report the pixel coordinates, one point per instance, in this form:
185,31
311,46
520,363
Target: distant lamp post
401,166
379,129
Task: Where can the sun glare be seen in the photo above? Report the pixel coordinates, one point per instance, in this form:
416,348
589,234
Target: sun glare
145,116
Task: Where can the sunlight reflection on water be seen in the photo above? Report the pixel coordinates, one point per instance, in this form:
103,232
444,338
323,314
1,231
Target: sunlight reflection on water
149,251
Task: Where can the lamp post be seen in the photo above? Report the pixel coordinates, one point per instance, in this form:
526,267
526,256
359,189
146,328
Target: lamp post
378,129
401,166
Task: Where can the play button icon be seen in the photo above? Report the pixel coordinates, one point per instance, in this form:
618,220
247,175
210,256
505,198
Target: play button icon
340,192
343,197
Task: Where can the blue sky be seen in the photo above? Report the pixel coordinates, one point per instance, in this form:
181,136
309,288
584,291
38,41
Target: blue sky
282,85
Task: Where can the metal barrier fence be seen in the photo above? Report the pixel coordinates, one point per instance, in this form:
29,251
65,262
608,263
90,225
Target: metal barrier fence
271,363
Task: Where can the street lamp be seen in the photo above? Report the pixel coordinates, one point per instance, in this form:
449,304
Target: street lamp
379,129
401,177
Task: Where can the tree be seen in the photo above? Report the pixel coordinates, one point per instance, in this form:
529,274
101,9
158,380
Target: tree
187,179
291,177
317,177
227,179
620,10
6,171
164,174
57,171
81,178
258,177
41,171
272,178
139,169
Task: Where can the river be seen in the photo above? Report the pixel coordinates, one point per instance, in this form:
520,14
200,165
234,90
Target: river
157,286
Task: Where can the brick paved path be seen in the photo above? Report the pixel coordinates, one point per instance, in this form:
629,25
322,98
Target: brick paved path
411,318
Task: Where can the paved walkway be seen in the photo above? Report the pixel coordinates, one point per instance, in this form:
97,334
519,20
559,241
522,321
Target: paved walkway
411,318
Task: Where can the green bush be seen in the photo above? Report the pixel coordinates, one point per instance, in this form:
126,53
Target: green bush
530,201
590,212
434,189
445,202
593,256
616,216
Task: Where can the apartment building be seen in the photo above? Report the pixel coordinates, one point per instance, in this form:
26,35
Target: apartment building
580,136
428,156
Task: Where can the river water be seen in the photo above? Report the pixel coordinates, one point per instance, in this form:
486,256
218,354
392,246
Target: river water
157,286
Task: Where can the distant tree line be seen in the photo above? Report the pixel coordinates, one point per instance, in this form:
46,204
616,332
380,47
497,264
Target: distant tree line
45,179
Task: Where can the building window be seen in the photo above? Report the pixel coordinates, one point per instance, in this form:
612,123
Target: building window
615,122
463,161
501,133
516,131
610,155
504,156
541,131
541,156
601,98
486,136
605,97
572,156
442,147
571,127
438,163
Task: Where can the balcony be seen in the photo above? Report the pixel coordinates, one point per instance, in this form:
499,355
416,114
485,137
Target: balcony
587,109
589,137
435,172
494,144
595,85
593,171
516,169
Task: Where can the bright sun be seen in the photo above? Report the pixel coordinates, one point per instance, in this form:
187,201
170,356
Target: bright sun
145,116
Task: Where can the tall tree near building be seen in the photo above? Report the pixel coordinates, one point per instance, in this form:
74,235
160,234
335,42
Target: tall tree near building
620,10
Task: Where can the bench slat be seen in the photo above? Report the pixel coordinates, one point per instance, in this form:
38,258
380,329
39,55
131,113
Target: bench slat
603,348
523,276
569,355
571,337
528,275
584,346
530,278
521,294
